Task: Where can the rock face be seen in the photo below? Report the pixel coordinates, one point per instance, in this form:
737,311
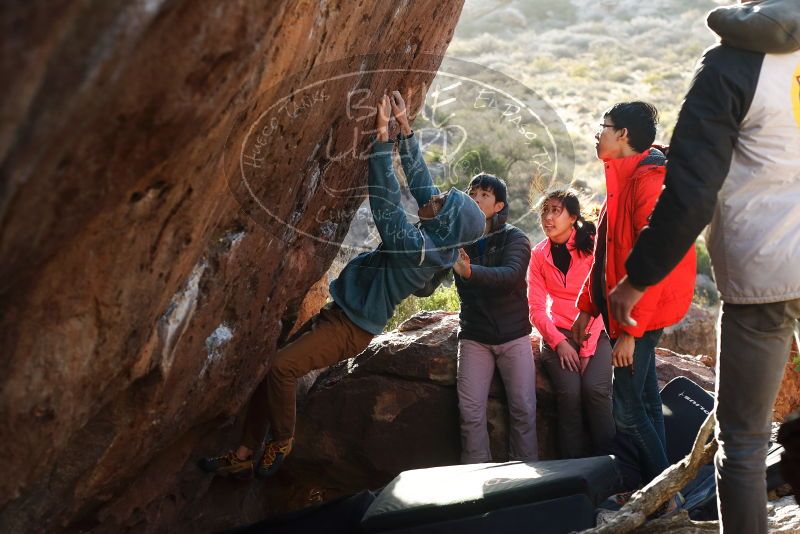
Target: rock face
394,407
670,365
783,516
139,304
789,395
696,334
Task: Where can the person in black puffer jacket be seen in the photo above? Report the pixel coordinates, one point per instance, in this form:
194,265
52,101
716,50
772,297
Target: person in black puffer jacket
494,328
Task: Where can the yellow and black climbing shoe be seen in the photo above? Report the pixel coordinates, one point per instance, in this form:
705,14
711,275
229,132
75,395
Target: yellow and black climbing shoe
227,464
274,455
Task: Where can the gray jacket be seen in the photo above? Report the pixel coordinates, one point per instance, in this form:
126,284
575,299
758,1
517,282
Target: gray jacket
734,161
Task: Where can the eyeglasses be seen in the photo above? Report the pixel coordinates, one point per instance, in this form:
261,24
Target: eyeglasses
604,125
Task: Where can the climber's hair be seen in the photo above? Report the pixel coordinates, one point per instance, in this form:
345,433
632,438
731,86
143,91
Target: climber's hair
640,118
584,230
490,182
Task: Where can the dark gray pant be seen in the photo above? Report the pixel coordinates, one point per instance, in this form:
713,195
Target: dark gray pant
582,399
476,365
754,347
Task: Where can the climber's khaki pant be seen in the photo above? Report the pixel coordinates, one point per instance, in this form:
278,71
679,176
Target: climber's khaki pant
332,337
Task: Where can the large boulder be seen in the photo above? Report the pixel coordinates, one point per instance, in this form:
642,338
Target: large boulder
670,365
141,298
689,346
789,395
696,334
394,407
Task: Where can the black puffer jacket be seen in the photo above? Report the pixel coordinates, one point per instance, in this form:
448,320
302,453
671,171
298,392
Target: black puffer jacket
494,302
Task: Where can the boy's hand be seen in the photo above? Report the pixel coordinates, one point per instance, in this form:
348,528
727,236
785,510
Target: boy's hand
579,333
462,266
400,112
622,354
622,299
382,119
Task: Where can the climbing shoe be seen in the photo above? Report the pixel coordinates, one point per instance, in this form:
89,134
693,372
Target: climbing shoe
227,464
274,455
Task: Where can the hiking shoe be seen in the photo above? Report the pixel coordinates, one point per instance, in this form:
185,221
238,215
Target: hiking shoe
227,464
274,455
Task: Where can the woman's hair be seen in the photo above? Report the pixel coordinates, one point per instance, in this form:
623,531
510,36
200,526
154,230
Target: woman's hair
584,230
640,118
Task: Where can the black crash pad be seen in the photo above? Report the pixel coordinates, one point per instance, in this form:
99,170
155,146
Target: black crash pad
685,405
555,516
440,494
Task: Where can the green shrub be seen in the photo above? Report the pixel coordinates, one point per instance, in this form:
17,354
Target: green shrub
444,298
703,259
480,159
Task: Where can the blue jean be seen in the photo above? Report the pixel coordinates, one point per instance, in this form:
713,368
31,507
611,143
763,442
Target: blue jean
637,406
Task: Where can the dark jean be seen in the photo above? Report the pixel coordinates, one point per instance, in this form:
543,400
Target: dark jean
637,406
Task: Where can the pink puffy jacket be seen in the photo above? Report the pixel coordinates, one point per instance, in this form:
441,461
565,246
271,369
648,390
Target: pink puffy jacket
552,296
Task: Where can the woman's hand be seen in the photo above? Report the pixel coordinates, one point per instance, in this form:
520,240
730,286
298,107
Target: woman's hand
568,356
400,113
622,353
462,266
579,328
382,119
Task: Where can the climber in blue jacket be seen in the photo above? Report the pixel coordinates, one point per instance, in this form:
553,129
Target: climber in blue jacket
366,292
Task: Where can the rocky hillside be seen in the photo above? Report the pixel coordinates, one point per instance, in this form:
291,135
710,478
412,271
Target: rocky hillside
582,56
159,230
574,57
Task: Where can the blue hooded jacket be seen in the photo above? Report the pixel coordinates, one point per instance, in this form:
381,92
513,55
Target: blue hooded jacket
374,283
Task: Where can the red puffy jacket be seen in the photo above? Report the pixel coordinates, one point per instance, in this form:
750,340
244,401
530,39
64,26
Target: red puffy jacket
633,185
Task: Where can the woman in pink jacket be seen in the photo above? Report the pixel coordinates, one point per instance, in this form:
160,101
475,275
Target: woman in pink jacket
581,375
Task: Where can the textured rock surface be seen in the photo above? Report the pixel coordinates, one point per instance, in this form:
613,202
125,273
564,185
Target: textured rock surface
671,364
394,407
783,516
138,305
696,334
789,395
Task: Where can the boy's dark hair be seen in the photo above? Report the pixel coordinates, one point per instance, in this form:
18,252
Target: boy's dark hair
640,118
491,183
584,230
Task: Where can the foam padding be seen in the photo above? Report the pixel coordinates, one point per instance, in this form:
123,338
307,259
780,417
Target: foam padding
448,493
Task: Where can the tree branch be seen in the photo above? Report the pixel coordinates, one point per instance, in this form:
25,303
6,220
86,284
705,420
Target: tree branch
662,488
